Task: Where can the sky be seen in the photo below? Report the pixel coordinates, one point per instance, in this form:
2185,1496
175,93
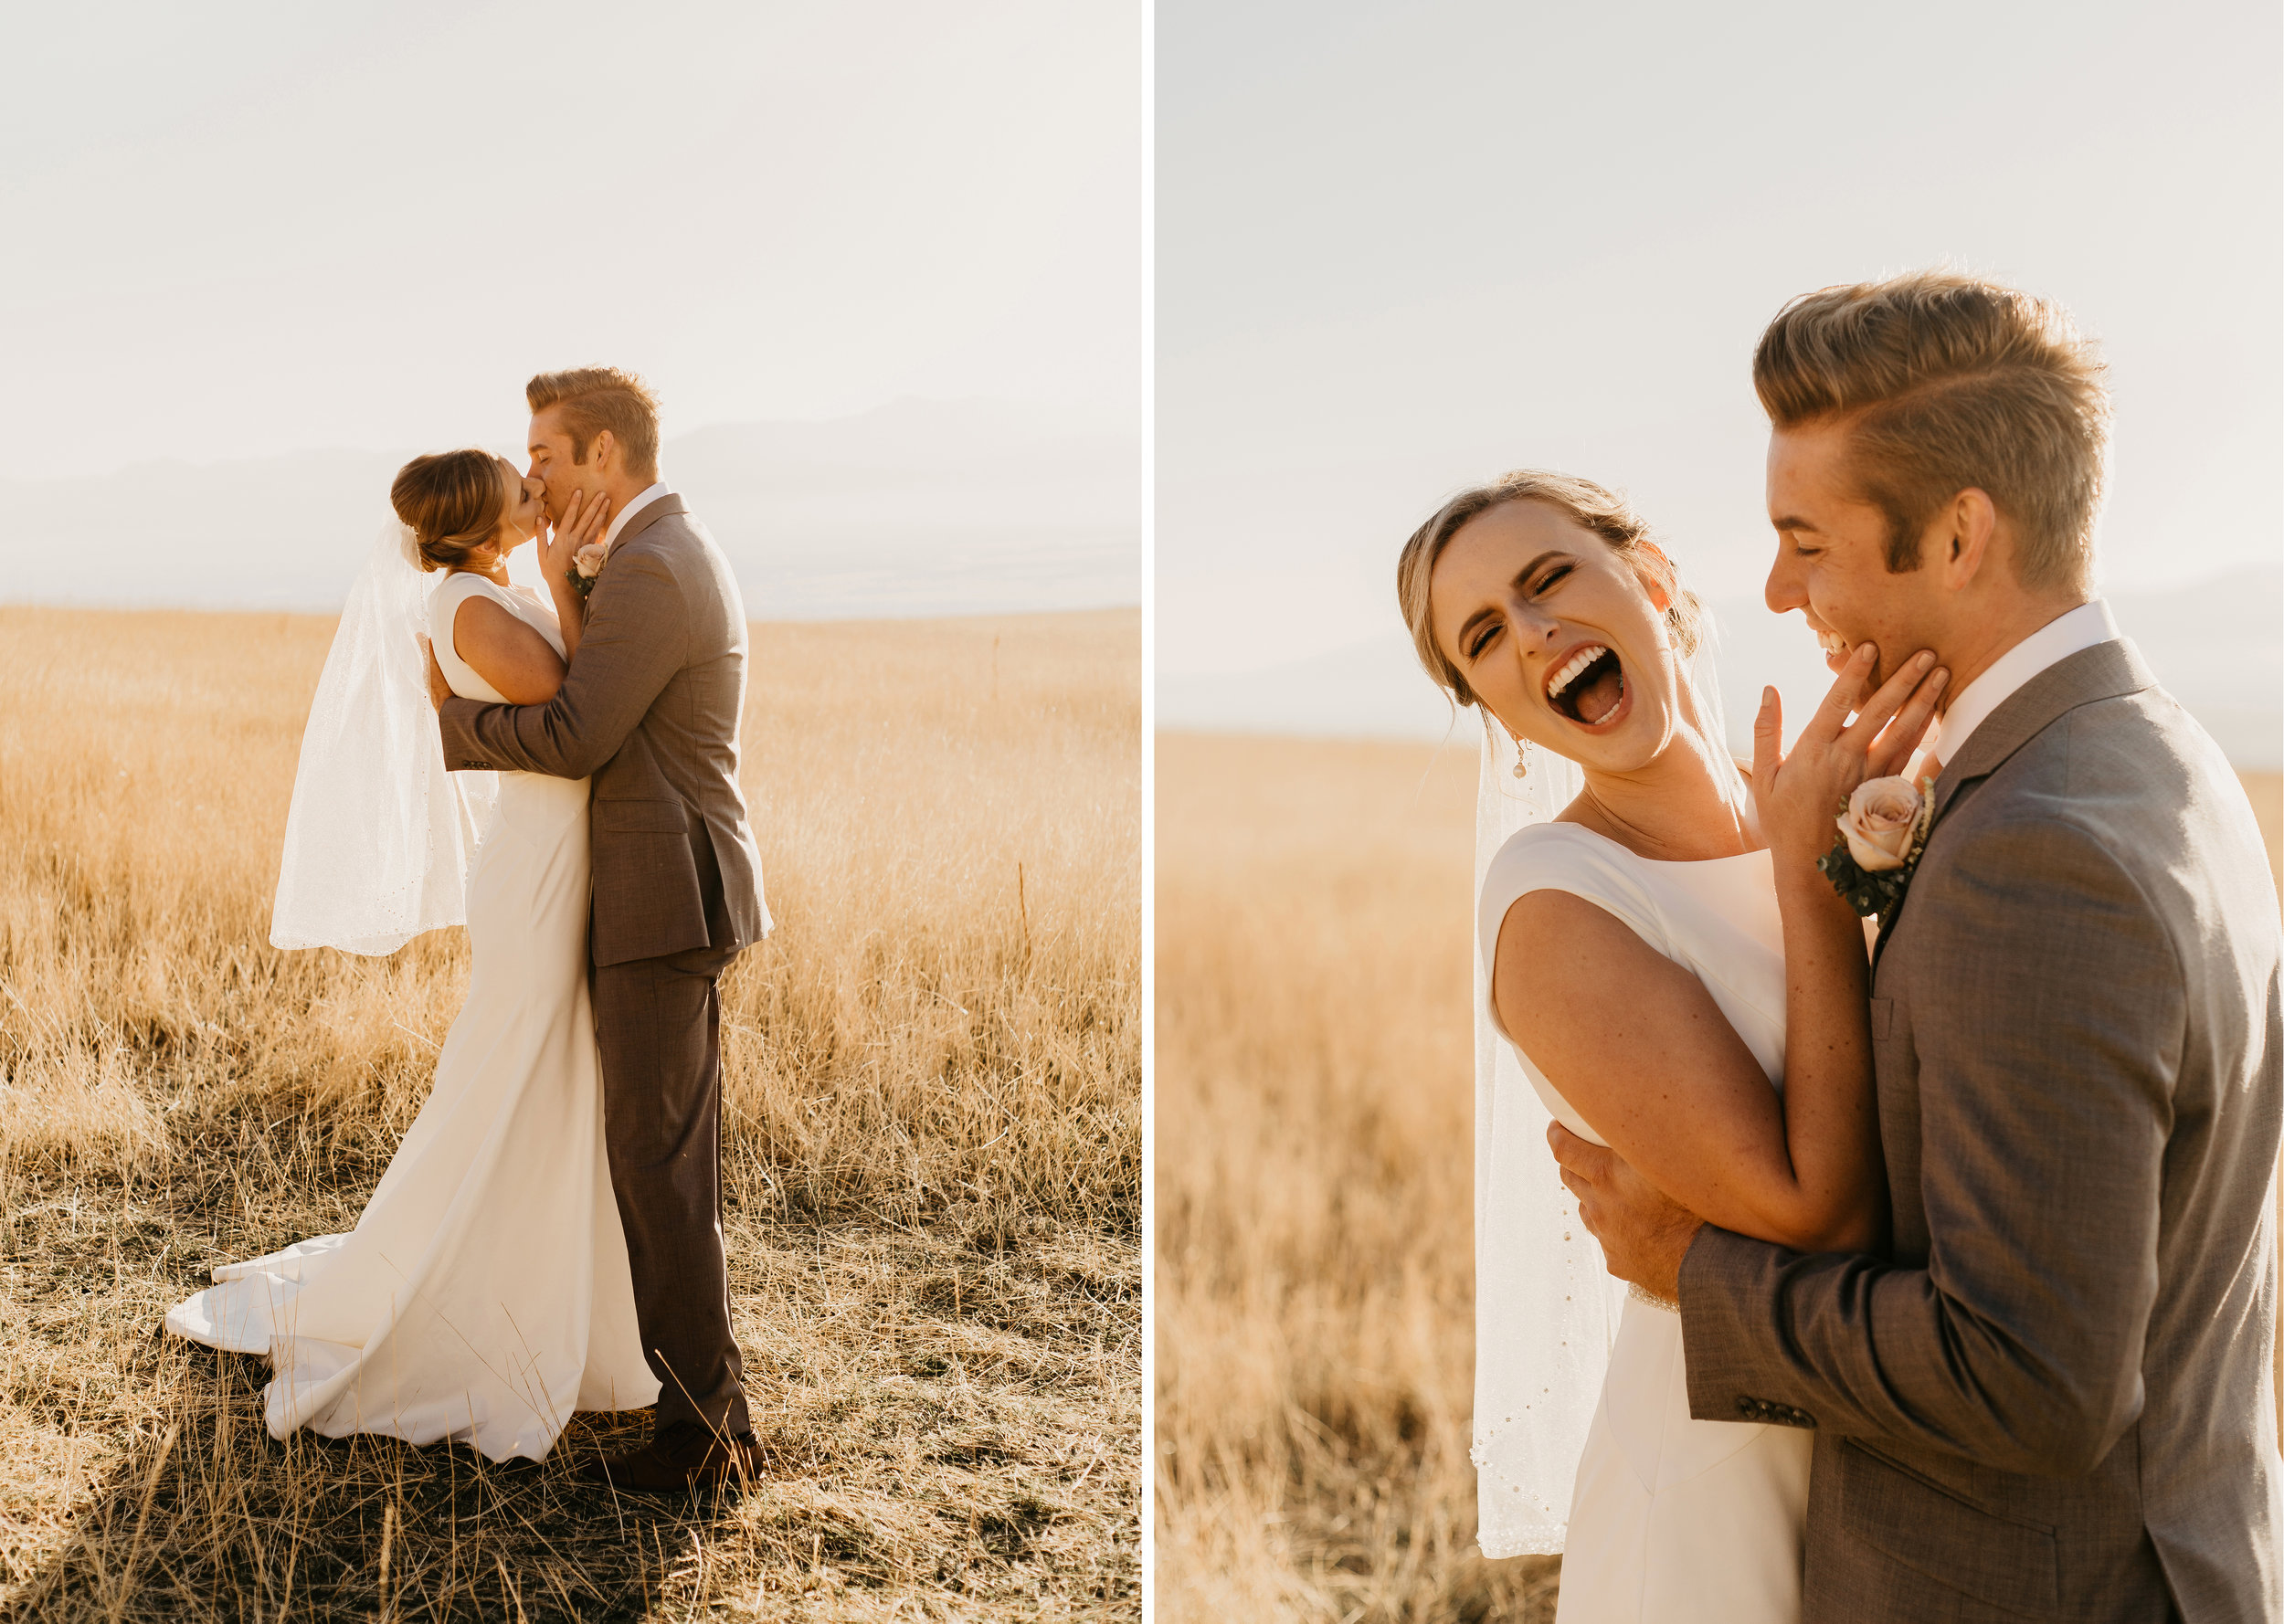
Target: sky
1402,248
255,228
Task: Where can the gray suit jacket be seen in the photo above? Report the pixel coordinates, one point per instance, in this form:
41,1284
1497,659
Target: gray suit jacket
2052,1399
649,709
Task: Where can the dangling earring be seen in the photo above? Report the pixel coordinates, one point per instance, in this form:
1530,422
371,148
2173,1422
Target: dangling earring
1522,768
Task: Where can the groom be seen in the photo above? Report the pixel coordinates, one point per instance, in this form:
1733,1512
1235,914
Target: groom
650,709
2051,1398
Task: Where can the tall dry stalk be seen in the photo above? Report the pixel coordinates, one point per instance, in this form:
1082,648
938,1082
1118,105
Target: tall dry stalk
905,1017
931,1123
1314,1256
1314,1232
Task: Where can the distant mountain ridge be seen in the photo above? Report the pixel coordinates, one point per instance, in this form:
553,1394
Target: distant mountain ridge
916,508
2217,645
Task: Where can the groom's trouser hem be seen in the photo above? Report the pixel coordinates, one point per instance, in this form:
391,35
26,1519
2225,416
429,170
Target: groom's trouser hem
658,1024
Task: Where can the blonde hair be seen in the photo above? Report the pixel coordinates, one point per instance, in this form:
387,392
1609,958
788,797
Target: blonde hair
1604,513
595,398
455,502
1945,383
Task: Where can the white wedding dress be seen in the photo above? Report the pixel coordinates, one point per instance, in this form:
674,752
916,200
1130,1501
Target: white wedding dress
484,1294
1671,1520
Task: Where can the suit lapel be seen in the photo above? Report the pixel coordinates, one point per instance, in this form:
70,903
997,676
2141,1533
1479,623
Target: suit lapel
2106,670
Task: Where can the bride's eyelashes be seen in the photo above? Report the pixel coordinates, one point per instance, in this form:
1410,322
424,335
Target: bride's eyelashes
1490,630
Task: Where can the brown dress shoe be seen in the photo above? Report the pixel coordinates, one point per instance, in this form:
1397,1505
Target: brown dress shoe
682,1458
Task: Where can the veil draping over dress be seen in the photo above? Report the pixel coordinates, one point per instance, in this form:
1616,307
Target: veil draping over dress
379,838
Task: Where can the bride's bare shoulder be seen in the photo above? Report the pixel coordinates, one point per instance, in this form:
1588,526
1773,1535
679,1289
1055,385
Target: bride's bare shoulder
505,650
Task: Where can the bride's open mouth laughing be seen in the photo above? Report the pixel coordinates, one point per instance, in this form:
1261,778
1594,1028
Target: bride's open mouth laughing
1589,686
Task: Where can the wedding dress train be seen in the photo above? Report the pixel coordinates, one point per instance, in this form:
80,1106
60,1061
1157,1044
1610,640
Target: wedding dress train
484,1294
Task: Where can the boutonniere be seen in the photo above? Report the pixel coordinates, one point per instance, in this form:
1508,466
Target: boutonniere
585,565
1883,829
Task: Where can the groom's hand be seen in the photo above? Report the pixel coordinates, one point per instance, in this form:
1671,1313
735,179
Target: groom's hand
439,689
1644,1236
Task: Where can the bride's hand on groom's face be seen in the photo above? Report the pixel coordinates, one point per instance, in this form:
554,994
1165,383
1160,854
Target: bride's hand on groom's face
1799,796
580,523
1643,1235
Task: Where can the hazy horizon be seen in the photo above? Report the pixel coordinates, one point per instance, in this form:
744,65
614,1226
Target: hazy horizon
915,509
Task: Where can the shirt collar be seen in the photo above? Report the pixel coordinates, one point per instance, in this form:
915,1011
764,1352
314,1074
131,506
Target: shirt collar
658,489
2051,643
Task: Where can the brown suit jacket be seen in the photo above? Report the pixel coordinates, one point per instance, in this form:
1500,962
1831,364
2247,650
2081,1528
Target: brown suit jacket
649,710
2054,1398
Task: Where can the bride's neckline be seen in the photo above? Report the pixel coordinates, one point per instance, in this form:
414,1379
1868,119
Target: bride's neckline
487,580
1663,862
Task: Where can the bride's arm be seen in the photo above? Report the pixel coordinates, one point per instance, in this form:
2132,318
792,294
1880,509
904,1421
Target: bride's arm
1638,1046
506,651
1635,1043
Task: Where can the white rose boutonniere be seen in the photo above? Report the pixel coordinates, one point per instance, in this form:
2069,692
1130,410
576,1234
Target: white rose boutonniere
585,565
1883,826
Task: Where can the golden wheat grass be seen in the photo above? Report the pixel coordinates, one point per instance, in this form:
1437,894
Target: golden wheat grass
1313,1304
932,1149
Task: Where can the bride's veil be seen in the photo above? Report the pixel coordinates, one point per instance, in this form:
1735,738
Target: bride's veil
378,840
1545,1308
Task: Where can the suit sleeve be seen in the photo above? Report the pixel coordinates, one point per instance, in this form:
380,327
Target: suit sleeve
2048,1034
633,644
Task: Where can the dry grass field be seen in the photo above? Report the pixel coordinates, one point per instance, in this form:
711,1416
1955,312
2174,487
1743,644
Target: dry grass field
1312,1295
932,1144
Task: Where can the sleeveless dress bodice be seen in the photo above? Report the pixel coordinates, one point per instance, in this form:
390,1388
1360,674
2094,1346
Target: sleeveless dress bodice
1672,1519
535,806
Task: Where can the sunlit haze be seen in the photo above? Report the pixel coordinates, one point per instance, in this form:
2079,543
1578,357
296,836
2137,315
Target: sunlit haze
258,230
1402,248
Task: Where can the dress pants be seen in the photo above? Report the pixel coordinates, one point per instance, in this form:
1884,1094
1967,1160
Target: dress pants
658,1022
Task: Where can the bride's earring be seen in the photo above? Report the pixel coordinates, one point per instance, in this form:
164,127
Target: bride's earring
1522,767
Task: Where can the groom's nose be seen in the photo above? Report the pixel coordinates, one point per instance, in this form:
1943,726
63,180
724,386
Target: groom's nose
1787,587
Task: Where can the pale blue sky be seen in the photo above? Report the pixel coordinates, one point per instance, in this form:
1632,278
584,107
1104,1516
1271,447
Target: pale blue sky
255,227
1403,247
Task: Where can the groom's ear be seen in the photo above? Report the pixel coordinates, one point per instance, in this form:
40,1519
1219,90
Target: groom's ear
1964,539
602,448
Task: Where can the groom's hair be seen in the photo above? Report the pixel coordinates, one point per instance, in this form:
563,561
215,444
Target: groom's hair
1945,383
594,398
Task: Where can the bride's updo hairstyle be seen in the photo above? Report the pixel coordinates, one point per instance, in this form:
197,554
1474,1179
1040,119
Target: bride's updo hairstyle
1604,513
455,502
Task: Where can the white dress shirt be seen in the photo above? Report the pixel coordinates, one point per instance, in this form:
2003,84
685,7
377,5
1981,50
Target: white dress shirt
618,521
2051,643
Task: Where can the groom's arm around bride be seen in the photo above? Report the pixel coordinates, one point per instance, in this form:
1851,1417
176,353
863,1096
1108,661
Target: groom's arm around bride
651,704
2053,1396
649,710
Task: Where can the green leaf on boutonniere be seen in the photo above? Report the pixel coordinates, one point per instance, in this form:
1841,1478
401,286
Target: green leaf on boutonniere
1866,892
1877,892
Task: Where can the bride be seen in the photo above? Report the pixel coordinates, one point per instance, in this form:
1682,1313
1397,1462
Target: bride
484,1294
1661,986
